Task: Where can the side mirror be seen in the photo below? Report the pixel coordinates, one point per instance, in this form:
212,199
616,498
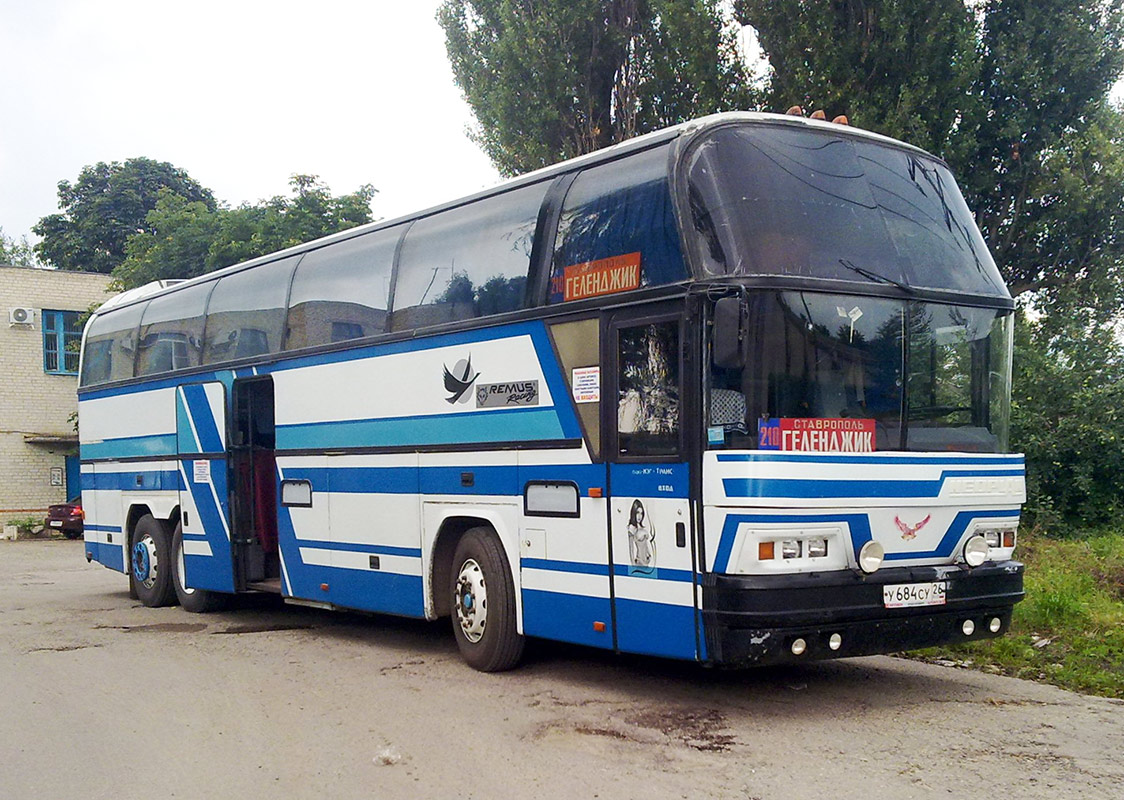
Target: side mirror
728,336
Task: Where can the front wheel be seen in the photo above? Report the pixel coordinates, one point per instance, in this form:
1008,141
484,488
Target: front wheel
197,601
484,603
150,563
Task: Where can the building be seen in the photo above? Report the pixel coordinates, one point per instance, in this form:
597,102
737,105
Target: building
41,317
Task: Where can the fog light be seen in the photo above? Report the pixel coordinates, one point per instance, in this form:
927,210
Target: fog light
992,538
995,624
968,627
975,551
817,548
798,647
790,548
870,557
835,642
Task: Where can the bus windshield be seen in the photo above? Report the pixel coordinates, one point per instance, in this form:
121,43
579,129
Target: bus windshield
924,376
788,200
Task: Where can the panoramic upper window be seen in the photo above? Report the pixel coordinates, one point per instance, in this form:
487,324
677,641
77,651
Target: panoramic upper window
62,336
171,332
111,346
779,199
340,292
246,313
467,262
617,231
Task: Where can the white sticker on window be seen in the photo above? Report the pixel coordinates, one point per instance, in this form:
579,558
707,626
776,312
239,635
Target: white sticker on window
587,384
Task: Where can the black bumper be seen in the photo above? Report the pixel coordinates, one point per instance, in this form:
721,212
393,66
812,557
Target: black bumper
755,619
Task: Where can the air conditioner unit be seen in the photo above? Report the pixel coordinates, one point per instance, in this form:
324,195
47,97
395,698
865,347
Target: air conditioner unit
21,316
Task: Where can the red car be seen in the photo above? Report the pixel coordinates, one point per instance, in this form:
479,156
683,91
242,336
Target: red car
66,518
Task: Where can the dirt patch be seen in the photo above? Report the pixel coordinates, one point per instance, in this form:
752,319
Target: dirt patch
158,627
703,730
234,629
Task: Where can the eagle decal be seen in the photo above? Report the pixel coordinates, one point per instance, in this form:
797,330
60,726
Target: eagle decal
910,531
459,380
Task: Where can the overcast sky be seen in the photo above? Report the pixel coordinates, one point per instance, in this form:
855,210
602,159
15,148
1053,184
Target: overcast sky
240,93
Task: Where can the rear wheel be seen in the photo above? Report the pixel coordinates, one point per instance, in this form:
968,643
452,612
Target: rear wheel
150,563
484,603
197,601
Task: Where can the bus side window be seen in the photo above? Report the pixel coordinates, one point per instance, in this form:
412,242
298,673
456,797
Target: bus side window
246,312
620,211
648,389
111,346
171,332
340,292
467,262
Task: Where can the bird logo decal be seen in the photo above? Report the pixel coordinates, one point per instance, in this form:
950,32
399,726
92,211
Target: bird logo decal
459,380
910,531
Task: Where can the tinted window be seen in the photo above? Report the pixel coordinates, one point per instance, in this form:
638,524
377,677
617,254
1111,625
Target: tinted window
469,262
171,332
111,346
340,291
784,200
648,389
617,231
246,314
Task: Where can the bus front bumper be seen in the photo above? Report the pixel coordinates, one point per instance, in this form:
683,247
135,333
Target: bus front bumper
757,619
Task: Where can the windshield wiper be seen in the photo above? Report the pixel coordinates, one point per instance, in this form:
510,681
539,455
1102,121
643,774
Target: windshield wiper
874,276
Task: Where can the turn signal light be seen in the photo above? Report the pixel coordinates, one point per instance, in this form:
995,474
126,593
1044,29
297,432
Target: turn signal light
765,551
1008,538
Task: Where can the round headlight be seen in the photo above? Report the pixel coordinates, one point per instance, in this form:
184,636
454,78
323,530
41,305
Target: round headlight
975,551
870,557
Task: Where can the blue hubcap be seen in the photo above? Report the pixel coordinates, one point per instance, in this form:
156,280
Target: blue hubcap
141,563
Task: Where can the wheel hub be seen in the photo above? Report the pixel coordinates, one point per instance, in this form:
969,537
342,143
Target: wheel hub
145,562
471,598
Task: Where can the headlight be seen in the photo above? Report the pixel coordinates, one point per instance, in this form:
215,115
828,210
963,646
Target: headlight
976,551
817,548
870,557
790,548
993,538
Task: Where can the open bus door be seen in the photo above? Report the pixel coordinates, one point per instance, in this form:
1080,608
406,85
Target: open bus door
652,542
253,496
204,509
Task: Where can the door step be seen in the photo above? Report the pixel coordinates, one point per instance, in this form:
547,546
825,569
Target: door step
273,585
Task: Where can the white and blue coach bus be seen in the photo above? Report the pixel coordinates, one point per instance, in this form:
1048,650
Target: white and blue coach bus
735,392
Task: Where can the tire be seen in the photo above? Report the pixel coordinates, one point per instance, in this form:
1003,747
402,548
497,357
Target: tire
150,573
197,601
483,603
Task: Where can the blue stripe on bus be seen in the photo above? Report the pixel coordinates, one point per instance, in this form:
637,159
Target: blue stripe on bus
357,547
501,425
812,488
149,480
920,458
656,629
162,444
103,528
199,407
487,480
216,571
953,535
186,440
567,617
578,567
660,573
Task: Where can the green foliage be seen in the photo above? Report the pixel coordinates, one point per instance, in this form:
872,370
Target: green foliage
186,238
1069,631
554,79
26,523
106,205
16,254
901,67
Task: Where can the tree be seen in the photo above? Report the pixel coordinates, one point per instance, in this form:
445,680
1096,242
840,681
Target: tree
184,238
16,254
106,205
553,79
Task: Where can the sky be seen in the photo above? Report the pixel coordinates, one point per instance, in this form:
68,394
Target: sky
241,94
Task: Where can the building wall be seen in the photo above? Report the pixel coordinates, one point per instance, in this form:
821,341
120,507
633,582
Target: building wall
32,401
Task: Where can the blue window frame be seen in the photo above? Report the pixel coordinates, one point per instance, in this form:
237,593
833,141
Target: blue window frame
62,336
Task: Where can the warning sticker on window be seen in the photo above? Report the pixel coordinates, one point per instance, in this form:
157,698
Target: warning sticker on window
822,435
604,276
587,384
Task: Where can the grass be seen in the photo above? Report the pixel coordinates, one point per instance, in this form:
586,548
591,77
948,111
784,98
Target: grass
1069,631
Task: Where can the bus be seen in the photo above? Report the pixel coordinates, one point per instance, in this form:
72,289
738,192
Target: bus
736,392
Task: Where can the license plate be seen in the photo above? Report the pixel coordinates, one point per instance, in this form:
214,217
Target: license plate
903,595
56,523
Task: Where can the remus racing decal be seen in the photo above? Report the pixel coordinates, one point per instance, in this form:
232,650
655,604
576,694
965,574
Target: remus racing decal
458,382
501,395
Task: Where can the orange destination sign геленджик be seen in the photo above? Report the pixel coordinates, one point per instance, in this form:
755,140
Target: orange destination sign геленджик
604,276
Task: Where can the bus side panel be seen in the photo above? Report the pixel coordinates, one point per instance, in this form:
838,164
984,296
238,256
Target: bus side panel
564,571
